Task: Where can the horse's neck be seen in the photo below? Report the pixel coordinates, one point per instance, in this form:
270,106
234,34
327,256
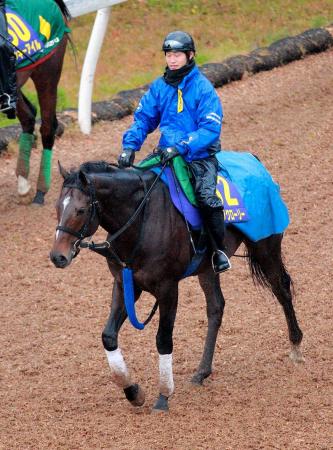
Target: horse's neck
119,196
151,230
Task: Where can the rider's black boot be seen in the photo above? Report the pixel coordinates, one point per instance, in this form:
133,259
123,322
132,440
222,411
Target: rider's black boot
8,87
11,90
214,220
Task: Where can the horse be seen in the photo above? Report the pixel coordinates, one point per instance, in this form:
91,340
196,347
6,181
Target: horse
155,243
45,74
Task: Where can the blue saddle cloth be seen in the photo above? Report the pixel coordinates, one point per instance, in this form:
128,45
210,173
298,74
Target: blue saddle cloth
262,212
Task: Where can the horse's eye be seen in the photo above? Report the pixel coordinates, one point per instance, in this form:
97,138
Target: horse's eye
80,211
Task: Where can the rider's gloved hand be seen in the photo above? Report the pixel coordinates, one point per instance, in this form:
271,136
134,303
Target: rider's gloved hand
126,158
167,154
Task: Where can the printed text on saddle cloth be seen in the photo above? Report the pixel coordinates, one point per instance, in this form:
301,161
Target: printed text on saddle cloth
234,209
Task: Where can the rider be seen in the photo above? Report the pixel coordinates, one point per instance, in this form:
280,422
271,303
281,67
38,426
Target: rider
8,90
186,107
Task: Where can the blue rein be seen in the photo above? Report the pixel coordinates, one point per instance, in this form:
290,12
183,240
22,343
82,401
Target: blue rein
128,287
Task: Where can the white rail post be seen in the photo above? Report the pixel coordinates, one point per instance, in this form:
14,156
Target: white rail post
78,8
89,68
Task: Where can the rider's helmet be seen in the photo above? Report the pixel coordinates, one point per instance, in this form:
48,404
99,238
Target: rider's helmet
178,41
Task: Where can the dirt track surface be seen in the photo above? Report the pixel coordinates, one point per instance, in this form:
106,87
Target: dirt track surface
55,388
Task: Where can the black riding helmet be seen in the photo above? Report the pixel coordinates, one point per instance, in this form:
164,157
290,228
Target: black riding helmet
178,41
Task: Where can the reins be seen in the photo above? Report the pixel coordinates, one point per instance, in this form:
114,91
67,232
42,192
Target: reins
104,248
107,244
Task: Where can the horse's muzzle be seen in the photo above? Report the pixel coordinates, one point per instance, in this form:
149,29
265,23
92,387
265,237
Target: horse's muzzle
59,260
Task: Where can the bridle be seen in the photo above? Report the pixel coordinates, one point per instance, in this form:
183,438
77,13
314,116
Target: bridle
106,246
94,208
93,213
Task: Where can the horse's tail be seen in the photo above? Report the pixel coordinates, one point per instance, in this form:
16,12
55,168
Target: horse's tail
64,9
68,17
266,262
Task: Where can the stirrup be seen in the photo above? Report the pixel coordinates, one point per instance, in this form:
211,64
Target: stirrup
7,106
4,102
223,264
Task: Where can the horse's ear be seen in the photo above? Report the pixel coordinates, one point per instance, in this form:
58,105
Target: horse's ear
63,171
85,180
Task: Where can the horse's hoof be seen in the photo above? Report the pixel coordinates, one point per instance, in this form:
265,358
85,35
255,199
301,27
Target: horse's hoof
39,198
135,395
23,186
199,377
197,380
161,405
296,355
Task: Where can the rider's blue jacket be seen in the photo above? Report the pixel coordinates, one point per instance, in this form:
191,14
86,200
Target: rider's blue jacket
189,116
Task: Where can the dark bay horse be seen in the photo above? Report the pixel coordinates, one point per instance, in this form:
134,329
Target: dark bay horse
45,74
157,246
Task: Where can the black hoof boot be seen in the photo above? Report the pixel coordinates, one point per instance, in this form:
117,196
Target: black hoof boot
135,395
161,404
39,198
220,262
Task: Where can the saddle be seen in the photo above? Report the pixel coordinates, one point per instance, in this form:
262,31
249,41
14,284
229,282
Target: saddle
178,179
251,198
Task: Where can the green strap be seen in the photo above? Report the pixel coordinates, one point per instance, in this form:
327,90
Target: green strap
181,170
45,170
26,141
184,177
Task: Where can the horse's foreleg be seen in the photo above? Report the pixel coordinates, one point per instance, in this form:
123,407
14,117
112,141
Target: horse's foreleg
210,284
26,113
119,371
167,301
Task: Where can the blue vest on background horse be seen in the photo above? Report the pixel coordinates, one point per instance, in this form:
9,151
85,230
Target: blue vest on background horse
29,33
35,29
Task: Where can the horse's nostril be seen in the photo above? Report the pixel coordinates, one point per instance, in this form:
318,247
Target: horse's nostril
59,260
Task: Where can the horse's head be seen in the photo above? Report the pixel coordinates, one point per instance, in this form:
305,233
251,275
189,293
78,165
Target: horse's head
77,213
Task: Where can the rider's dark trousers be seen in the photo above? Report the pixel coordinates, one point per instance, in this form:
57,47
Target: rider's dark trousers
7,61
204,172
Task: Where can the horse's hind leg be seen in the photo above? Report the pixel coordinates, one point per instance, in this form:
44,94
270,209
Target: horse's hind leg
210,284
117,364
267,268
46,78
26,113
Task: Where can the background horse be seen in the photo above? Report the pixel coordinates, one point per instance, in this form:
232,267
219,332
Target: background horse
157,247
45,74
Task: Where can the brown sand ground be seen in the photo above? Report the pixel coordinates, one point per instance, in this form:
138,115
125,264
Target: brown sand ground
55,389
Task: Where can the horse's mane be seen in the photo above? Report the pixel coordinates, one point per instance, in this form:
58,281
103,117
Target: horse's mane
97,167
64,9
73,178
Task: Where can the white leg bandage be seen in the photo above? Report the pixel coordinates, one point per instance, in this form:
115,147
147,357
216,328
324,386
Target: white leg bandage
23,185
167,385
118,368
